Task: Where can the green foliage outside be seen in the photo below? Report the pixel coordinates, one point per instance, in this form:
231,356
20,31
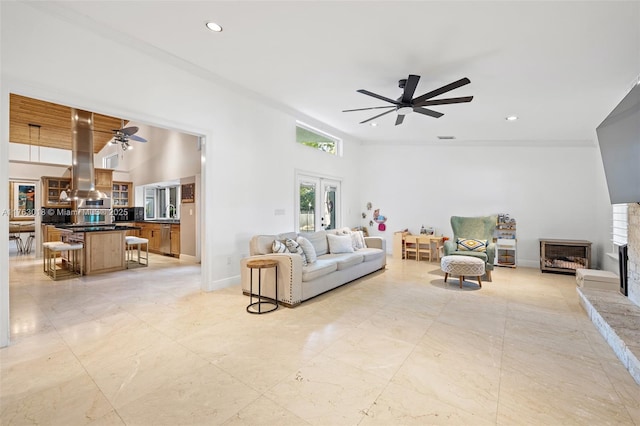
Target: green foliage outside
315,140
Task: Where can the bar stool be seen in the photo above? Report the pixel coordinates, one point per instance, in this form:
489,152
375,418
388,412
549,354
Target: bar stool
131,241
46,255
74,259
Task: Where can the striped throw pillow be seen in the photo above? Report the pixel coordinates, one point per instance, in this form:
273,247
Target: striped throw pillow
278,247
294,247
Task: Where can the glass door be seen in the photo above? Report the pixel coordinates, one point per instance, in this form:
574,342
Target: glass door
318,203
330,197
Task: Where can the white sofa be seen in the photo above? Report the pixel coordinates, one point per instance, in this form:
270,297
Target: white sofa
296,282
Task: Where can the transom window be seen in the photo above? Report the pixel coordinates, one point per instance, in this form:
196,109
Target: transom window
314,138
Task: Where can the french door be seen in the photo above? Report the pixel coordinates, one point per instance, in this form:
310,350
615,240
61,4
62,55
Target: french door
318,203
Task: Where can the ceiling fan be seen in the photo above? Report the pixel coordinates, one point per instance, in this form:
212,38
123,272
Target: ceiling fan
406,103
124,134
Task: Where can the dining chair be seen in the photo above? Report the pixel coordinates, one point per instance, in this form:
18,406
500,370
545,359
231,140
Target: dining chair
438,247
411,246
424,247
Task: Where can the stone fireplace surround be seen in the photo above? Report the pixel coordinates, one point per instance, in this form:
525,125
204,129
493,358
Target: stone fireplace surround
618,317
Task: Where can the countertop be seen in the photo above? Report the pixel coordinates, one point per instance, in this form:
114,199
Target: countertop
159,221
96,228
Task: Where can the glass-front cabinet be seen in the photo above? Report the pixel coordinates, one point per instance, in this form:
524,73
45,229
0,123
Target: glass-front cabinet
52,188
121,194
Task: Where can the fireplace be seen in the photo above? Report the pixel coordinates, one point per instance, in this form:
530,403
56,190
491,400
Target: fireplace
623,260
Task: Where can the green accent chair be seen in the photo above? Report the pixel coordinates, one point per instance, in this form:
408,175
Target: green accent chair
481,228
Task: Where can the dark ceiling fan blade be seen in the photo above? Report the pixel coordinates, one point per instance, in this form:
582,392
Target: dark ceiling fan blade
379,115
441,90
410,88
136,138
444,101
375,95
364,109
399,119
129,130
428,112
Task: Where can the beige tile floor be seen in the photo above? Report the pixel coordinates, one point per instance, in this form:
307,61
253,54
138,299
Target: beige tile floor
146,347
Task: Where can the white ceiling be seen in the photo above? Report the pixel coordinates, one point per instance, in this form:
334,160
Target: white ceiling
560,66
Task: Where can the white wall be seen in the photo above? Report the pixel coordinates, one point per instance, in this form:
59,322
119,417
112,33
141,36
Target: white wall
250,155
551,191
166,156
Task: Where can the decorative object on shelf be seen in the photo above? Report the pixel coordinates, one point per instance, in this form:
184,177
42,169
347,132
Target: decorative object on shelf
369,206
427,231
505,237
364,215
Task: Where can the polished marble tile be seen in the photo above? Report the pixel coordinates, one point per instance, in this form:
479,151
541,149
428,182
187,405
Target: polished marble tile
147,347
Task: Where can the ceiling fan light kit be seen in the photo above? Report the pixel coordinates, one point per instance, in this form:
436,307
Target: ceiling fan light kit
407,104
123,135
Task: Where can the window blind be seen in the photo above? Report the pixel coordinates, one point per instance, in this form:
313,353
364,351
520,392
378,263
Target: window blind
619,227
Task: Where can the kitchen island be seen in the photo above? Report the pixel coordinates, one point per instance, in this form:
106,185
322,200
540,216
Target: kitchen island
104,246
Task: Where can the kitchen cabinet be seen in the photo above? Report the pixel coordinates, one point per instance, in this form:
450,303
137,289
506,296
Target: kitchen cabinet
122,194
175,240
51,188
153,233
103,179
132,232
51,233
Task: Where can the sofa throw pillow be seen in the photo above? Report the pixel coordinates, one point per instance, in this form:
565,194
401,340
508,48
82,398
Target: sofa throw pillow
340,243
278,247
470,244
307,248
354,241
295,248
360,240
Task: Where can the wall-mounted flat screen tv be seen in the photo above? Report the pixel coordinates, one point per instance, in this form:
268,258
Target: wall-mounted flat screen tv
619,140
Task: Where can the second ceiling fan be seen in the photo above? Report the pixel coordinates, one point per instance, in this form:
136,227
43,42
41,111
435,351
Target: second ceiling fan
406,103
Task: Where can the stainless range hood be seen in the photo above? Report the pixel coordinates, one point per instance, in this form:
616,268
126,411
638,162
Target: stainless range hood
82,173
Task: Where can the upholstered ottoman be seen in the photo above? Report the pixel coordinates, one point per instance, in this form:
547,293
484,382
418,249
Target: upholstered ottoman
462,266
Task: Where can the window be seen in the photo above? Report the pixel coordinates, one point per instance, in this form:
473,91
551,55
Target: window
162,202
317,139
110,161
620,220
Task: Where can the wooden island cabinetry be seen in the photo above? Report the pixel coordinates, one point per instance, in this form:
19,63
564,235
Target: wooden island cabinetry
103,251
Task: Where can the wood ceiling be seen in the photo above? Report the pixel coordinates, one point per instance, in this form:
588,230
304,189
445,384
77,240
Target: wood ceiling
54,121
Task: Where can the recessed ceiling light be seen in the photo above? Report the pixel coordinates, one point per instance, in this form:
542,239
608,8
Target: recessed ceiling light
512,118
214,27
374,124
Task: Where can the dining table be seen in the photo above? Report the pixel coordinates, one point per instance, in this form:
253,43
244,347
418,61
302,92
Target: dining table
16,229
